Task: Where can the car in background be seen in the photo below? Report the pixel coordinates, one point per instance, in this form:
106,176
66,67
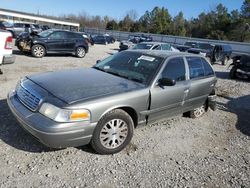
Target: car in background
35,28
132,40
45,27
88,37
221,53
6,44
103,105
18,28
154,46
109,38
53,41
100,39
5,25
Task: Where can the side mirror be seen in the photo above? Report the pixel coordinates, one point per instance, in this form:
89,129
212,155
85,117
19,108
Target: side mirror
166,82
98,61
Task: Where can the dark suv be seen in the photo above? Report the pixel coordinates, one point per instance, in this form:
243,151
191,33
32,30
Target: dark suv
53,41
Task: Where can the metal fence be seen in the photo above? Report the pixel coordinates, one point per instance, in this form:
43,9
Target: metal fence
238,47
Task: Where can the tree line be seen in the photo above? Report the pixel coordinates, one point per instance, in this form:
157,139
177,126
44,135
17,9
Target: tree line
218,24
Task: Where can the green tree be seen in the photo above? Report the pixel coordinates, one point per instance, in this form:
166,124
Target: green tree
179,25
245,9
112,25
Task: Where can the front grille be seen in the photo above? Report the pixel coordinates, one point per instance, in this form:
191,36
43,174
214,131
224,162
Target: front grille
29,99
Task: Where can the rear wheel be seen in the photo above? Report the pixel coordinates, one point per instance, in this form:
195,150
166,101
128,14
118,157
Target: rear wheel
80,52
38,51
197,112
113,132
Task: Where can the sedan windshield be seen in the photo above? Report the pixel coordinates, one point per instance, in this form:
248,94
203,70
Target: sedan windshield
131,65
45,33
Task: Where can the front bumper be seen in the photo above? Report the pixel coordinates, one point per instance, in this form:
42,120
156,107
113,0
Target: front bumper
49,132
8,59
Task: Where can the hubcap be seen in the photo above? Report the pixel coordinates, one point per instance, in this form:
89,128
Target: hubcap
199,111
81,52
39,51
114,133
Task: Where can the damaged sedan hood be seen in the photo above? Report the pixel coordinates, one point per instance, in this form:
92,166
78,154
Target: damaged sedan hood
83,84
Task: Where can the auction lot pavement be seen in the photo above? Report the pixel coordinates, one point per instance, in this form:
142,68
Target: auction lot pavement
212,151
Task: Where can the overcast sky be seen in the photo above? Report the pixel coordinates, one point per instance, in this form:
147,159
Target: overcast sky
115,8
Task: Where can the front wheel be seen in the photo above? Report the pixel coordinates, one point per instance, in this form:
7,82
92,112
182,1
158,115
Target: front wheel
113,132
80,52
38,51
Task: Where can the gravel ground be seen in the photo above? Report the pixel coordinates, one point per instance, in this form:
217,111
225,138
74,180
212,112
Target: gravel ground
212,151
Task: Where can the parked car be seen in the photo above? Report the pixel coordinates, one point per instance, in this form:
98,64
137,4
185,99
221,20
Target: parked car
187,45
132,40
102,105
88,37
240,67
35,28
53,41
18,28
214,52
45,27
221,53
6,55
154,46
110,39
5,25
100,39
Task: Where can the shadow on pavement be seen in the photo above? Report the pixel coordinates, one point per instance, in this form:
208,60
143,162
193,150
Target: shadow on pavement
241,107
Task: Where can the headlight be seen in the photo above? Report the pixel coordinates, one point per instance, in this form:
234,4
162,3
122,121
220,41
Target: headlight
64,115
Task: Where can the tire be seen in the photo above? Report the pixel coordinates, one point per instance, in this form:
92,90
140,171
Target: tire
198,112
105,139
232,73
80,52
38,51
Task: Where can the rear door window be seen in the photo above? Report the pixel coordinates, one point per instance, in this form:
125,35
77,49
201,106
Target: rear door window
207,68
175,69
196,69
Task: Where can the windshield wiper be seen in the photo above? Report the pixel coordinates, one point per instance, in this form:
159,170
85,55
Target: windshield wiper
120,75
126,77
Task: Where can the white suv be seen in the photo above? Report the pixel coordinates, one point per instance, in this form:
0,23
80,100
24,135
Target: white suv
6,45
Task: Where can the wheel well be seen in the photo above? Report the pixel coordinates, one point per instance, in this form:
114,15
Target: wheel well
82,47
40,45
132,114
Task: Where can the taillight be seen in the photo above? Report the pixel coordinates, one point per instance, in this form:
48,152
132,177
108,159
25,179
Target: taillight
8,43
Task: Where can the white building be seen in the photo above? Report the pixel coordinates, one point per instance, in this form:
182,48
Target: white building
16,16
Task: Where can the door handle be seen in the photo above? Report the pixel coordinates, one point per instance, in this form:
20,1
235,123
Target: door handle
186,91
